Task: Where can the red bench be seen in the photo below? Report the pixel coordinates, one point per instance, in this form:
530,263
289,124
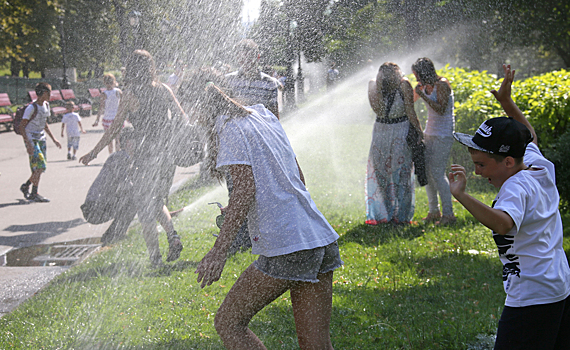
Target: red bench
6,114
83,105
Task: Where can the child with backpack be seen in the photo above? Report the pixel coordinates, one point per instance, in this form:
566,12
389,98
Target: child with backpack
33,128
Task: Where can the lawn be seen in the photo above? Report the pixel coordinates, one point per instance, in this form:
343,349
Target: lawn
415,287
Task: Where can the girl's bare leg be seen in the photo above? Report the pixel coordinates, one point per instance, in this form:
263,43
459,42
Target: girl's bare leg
165,220
250,294
312,307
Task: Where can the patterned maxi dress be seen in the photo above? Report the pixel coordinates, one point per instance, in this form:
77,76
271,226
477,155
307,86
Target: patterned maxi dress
389,181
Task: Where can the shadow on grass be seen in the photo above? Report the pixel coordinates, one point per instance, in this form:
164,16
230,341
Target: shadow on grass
368,235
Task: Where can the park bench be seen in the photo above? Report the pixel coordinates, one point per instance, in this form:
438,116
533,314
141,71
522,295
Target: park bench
83,105
6,114
95,94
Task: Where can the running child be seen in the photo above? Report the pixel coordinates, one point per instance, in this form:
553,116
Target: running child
526,225
297,247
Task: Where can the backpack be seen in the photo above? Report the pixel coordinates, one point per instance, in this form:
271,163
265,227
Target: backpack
19,115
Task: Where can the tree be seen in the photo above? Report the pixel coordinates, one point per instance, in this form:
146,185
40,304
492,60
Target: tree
27,35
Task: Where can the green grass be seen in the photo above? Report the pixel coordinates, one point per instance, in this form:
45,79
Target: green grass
414,287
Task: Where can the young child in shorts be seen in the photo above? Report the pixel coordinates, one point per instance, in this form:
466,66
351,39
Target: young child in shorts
109,105
297,247
74,129
526,224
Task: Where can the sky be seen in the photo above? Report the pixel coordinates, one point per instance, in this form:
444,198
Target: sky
250,10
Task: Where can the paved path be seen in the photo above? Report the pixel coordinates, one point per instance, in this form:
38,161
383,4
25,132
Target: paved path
24,224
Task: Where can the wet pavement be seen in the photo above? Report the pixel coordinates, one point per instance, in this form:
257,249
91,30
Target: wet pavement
38,241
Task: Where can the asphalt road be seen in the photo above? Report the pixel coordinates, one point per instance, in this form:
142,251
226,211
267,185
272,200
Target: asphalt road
29,224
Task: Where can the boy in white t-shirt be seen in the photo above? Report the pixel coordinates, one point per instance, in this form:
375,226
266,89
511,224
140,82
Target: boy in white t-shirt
33,129
74,129
526,225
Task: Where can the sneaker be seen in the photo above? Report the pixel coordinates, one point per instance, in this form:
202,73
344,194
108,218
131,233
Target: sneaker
69,156
25,190
73,158
37,198
175,247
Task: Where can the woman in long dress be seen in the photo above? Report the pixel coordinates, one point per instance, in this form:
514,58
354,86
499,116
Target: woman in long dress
389,181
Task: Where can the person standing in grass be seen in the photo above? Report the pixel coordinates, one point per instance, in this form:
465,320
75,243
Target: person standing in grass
438,96
297,247
33,129
526,224
74,129
389,181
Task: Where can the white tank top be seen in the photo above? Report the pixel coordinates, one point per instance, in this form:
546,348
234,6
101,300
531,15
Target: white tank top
437,124
111,103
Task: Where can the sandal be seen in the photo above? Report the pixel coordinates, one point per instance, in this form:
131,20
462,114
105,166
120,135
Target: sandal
175,247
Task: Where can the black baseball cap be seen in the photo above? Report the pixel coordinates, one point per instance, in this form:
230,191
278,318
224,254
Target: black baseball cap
503,136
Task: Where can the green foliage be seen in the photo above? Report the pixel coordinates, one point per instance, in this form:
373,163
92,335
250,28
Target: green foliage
543,99
559,154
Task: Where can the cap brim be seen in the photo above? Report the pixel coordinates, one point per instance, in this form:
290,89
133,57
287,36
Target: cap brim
467,140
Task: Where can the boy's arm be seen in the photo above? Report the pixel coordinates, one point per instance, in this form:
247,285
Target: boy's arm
80,127
497,220
62,128
506,101
48,131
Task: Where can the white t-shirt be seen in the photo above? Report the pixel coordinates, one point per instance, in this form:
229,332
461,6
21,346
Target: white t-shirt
283,218
535,268
71,121
35,128
111,103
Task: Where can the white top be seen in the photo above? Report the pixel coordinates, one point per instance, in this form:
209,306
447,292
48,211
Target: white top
35,128
111,103
71,121
535,268
283,218
438,124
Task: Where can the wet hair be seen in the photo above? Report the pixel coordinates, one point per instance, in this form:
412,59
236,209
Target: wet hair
200,95
496,157
109,79
127,134
41,88
425,71
140,68
391,77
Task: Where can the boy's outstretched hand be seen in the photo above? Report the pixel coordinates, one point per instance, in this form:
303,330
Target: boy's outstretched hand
504,93
457,180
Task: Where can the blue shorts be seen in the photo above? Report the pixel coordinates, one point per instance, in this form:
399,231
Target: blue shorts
38,159
73,141
303,265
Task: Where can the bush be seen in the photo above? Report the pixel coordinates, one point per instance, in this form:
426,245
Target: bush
559,155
